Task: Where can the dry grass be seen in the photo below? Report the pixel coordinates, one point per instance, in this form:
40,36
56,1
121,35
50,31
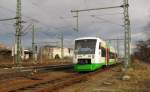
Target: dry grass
111,82
140,79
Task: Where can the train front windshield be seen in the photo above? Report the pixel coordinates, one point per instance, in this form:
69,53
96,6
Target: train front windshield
86,46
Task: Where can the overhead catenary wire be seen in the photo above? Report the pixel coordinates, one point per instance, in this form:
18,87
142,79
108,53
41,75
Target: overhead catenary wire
33,18
4,8
94,9
56,28
6,19
25,31
109,14
105,20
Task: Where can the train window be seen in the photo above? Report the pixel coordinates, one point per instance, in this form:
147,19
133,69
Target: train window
103,52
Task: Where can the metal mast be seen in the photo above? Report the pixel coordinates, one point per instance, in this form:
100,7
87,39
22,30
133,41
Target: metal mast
33,43
77,23
18,33
127,34
62,45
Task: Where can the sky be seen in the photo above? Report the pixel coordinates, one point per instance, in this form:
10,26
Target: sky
53,17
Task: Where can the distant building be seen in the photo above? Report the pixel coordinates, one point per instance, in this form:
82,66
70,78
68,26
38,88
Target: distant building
3,47
5,52
54,52
26,54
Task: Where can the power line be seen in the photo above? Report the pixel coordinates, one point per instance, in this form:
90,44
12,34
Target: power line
106,20
104,14
64,18
92,9
104,8
46,42
7,9
25,30
7,19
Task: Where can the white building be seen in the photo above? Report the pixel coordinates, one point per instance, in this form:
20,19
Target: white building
26,54
53,52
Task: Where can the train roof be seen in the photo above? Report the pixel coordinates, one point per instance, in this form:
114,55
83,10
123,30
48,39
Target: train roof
81,38
97,38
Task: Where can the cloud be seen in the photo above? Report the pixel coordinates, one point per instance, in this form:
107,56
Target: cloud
54,16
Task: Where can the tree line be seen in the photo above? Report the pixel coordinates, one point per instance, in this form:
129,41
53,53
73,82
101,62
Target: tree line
143,51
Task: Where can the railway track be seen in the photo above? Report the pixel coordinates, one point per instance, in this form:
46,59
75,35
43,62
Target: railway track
53,85
26,71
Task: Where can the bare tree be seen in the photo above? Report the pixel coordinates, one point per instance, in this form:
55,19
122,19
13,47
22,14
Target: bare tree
143,51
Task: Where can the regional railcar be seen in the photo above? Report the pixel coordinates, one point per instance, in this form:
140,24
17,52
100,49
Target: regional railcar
91,53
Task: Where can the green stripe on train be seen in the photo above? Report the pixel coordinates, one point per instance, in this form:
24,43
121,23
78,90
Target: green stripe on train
92,67
87,67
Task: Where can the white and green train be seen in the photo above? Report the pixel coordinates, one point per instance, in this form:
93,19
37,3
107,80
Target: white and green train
91,53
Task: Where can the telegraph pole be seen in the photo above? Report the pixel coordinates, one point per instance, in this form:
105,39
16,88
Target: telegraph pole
127,35
33,43
18,33
62,45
